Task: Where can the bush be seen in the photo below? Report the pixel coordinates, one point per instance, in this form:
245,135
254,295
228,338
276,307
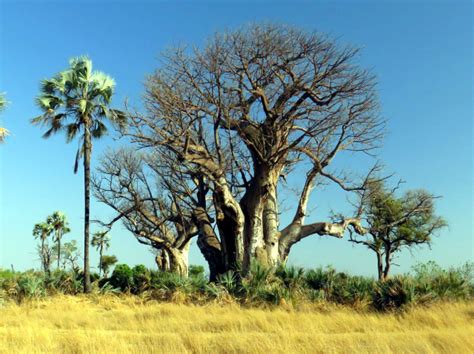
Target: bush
433,282
30,285
196,271
141,279
393,293
122,277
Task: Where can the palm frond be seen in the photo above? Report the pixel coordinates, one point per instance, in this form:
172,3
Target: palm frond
98,130
3,134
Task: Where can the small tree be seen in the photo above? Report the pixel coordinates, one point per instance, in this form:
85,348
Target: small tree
60,226
101,241
394,223
43,231
107,263
70,255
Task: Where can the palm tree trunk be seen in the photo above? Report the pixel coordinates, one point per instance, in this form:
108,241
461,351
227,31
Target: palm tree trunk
87,175
100,258
43,256
59,247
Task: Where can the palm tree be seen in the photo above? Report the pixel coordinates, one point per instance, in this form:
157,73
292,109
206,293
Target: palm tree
42,231
101,240
60,225
3,132
77,102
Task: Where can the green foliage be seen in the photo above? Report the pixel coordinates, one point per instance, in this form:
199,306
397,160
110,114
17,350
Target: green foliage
122,277
228,281
196,270
30,285
433,282
141,278
330,285
394,293
107,263
262,285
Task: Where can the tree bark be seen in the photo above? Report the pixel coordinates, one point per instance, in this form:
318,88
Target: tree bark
101,250
230,222
59,247
388,256
209,244
380,267
87,173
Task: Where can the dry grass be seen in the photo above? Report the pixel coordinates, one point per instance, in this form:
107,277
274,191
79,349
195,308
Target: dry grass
69,324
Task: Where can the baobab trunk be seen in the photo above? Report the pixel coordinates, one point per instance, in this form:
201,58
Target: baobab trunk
259,204
209,244
230,222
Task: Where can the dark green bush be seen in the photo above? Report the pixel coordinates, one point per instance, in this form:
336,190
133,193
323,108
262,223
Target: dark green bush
141,279
196,271
393,293
122,277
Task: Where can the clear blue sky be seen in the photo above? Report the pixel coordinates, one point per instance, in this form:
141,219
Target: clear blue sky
422,53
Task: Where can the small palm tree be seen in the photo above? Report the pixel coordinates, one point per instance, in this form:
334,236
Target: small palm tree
107,263
42,231
76,101
60,226
101,240
3,132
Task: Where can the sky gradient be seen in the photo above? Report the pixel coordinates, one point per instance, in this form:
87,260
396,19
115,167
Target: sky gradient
421,53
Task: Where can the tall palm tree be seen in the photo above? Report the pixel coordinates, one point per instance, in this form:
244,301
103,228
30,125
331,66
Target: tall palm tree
101,241
60,225
3,132
77,102
42,231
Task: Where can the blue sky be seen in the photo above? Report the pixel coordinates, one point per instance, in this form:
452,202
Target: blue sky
420,51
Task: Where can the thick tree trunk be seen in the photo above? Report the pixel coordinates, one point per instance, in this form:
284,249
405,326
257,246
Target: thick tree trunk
230,222
87,173
261,218
174,260
209,244
271,226
178,260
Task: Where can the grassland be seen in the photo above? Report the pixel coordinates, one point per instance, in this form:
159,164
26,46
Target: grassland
106,324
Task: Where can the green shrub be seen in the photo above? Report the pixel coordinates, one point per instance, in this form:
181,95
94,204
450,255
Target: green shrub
196,271
122,277
393,293
30,285
141,278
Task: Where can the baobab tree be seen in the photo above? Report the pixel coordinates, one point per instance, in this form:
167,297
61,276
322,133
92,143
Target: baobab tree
394,223
77,102
251,107
162,203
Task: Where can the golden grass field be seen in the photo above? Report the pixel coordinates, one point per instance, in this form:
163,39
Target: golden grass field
106,324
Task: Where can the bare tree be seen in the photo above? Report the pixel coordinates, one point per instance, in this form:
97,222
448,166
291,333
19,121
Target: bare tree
249,108
394,223
161,206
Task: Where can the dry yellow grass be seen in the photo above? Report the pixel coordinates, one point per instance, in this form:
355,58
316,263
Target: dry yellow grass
120,325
